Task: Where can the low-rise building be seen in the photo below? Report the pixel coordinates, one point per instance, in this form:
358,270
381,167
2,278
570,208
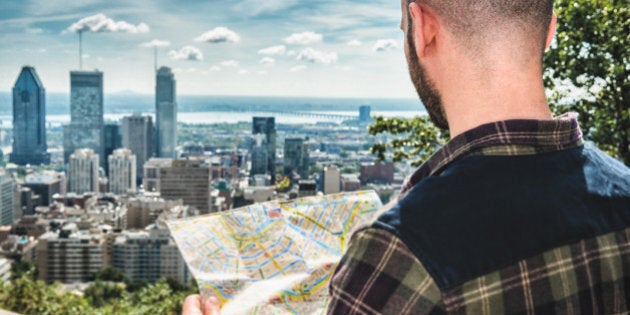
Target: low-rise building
380,173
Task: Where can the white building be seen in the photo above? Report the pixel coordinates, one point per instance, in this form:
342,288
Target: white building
149,255
83,171
331,180
122,172
6,198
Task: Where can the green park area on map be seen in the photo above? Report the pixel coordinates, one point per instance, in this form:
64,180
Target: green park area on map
274,257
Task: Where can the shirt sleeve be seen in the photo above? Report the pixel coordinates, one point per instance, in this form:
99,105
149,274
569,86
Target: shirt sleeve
379,275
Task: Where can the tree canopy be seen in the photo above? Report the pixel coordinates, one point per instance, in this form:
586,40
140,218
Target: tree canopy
591,54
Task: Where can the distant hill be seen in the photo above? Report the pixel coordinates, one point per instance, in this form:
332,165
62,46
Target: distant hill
59,103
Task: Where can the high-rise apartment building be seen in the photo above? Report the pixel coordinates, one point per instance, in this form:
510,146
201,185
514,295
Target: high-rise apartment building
296,157
83,171
188,180
112,140
86,114
267,127
148,256
6,198
137,136
29,120
70,256
166,113
122,172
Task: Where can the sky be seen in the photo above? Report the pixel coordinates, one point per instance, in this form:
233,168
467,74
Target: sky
319,48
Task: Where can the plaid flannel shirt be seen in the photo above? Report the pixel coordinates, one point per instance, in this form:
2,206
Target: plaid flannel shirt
380,274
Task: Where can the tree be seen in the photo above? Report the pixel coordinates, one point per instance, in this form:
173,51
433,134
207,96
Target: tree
110,274
416,139
591,55
23,268
588,71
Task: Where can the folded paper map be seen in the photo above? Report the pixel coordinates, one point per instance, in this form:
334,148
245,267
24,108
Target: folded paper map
274,257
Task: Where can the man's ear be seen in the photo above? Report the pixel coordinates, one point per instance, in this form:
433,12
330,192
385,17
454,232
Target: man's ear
552,30
424,27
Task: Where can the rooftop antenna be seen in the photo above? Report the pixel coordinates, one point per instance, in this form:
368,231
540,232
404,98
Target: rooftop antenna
80,50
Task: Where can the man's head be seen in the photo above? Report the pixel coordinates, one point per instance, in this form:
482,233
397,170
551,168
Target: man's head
475,30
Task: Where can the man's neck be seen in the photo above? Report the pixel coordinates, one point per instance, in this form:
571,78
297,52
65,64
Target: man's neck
472,99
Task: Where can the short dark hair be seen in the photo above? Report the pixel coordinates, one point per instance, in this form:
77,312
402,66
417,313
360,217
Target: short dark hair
470,19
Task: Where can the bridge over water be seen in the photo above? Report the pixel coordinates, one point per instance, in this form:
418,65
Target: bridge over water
314,115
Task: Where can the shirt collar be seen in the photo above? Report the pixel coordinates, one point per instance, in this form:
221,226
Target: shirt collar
538,136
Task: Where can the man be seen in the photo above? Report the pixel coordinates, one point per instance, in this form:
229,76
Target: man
515,214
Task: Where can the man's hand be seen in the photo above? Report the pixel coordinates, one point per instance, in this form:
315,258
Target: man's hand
193,306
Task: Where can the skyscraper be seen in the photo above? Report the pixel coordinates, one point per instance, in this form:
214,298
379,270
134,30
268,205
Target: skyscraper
29,120
267,126
112,140
122,170
364,113
296,157
259,154
138,137
86,114
166,113
83,171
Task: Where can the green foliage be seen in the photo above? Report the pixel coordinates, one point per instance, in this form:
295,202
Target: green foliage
100,293
592,52
23,268
26,295
416,139
110,274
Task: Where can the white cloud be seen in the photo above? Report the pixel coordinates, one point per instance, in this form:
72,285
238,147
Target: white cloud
262,72
354,42
35,30
186,53
156,43
312,55
291,53
215,68
304,38
100,23
229,63
267,61
343,68
298,68
256,7
385,44
243,71
219,35
273,50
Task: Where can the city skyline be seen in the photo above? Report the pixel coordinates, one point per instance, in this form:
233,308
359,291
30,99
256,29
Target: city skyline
276,48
